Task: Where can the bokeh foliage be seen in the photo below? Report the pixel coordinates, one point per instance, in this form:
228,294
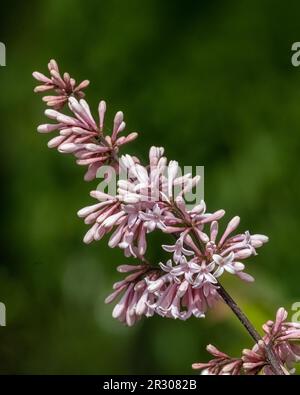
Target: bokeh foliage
213,83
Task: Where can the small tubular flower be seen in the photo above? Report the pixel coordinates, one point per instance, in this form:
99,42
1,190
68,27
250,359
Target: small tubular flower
138,208
283,337
82,136
63,85
79,133
221,364
135,299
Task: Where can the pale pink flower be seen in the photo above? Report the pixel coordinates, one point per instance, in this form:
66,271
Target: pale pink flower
178,249
214,258
194,273
199,217
64,86
138,208
110,214
230,250
178,301
189,286
150,197
155,182
280,335
255,360
79,133
97,214
227,264
83,137
222,364
179,294
153,218
135,300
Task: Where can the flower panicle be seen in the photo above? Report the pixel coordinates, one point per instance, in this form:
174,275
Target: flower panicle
221,364
151,197
281,335
79,133
63,86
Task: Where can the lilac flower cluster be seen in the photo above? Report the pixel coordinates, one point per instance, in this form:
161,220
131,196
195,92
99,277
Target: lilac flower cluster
63,85
135,299
149,197
221,364
152,197
187,284
280,335
79,133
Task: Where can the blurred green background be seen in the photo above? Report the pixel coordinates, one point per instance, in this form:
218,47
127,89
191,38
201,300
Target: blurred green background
212,82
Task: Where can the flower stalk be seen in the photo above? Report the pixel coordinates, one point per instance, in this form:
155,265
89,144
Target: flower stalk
271,357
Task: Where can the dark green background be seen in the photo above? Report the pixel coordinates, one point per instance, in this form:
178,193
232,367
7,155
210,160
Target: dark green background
212,82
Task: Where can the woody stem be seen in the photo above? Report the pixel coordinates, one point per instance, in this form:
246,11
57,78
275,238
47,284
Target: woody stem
271,357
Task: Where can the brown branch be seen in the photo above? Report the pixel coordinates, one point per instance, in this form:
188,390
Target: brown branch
270,355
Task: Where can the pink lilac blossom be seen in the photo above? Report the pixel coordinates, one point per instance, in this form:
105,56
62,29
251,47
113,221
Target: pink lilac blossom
159,181
134,211
222,364
135,299
148,291
141,206
63,85
152,197
148,197
176,298
81,136
188,285
79,133
280,335
230,250
226,253
216,257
